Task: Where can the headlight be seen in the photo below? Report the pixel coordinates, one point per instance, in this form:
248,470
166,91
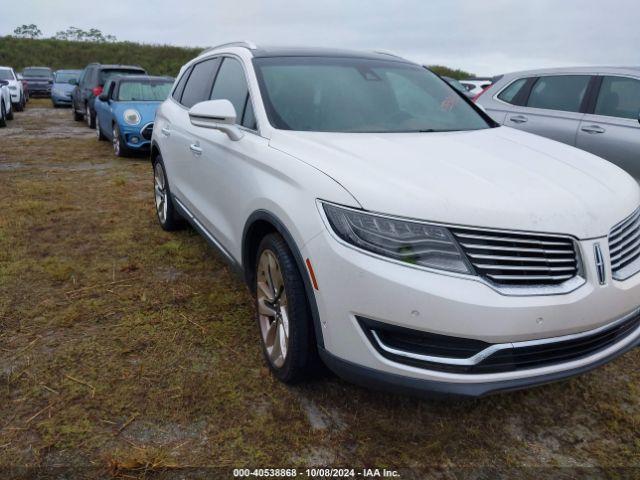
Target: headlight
411,242
131,117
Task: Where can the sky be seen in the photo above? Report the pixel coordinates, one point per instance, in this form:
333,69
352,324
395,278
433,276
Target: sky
485,37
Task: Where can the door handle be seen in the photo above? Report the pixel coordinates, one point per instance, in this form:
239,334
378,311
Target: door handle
593,129
165,131
518,119
195,149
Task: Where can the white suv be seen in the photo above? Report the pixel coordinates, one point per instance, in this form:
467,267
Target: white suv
389,227
15,88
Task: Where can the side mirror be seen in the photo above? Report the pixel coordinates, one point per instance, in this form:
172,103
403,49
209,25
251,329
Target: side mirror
216,114
104,96
73,81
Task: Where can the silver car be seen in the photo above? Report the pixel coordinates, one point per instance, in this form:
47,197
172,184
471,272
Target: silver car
596,109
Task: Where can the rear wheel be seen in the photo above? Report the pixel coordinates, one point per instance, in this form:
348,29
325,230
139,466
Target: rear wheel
3,115
99,134
19,106
284,316
168,216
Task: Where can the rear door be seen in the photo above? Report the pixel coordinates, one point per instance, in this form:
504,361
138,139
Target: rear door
553,107
611,128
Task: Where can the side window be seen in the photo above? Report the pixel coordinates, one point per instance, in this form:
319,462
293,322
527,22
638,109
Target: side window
198,86
177,92
112,89
619,97
231,85
562,92
510,93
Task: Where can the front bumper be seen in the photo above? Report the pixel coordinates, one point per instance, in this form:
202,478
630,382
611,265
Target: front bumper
137,137
61,99
35,90
355,284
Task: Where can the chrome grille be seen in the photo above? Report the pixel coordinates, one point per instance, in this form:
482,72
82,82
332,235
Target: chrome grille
519,259
624,247
147,131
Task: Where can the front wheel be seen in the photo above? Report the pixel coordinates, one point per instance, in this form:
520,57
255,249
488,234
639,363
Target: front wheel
10,113
99,134
284,316
90,119
119,149
3,115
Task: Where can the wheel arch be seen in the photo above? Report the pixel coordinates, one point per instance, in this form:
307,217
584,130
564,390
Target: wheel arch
259,224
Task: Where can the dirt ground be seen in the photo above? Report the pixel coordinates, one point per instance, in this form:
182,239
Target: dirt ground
128,351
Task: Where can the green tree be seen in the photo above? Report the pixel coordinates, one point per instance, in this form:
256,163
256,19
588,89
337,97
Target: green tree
450,72
27,31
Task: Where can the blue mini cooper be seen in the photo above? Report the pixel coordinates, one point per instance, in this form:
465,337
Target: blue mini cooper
126,109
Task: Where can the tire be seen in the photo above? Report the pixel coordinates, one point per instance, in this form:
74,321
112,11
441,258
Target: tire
19,107
119,149
287,323
9,115
3,115
78,117
168,217
99,133
89,118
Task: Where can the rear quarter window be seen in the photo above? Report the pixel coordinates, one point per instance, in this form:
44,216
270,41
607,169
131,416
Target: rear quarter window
510,93
619,97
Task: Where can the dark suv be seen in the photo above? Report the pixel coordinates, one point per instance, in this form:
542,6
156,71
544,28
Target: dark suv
90,85
40,80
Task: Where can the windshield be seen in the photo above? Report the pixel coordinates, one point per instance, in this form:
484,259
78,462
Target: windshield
37,72
64,77
105,74
6,74
360,95
144,91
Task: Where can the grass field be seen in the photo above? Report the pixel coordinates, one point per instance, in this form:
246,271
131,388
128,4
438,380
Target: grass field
132,352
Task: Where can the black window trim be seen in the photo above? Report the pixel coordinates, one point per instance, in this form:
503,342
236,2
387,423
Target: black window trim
189,70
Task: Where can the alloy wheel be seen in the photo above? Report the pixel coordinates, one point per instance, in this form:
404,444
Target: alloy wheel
160,191
116,141
272,308
97,130
87,116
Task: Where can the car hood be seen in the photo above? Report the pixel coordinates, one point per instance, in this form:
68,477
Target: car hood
496,178
63,87
147,110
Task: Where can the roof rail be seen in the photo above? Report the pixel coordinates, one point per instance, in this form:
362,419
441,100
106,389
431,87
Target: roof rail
386,52
242,44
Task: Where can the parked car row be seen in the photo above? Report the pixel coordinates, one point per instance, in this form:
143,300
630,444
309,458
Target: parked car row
12,95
